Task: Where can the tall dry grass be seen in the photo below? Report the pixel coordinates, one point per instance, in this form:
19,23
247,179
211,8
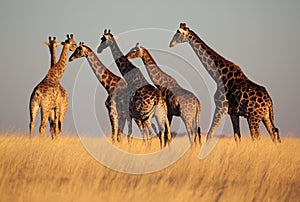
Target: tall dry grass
62,170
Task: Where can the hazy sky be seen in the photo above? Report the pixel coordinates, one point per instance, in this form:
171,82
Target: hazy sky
260,36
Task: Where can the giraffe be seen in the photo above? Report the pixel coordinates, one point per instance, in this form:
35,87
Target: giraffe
236,95
149,100
47,93
180,102
115,87
52,44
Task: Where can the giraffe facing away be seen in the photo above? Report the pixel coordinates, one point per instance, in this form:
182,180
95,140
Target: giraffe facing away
115,87
46,94
236,95
52,44
145,100
180,102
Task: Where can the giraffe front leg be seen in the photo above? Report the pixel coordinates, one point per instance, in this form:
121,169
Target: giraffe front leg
33,111
236,127
217,119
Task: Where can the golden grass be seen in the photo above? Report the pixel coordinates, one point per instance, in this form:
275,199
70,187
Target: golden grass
62,170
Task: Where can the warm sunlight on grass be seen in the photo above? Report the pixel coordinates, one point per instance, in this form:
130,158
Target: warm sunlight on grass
62,170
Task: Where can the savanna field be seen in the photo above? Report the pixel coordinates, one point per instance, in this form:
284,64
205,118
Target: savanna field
62,170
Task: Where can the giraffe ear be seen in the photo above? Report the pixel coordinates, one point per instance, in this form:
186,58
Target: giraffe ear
116,37
46,44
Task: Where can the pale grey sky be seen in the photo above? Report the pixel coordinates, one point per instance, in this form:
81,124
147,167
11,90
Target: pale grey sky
260,36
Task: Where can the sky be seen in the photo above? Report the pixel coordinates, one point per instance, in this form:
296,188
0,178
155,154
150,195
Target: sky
261,37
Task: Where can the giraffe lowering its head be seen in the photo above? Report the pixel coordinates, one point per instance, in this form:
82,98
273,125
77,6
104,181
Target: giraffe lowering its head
180,102
236,94
46,94
115,87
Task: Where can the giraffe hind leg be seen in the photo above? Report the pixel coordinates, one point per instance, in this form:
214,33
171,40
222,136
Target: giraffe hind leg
33,111
273,132
254,128
52,123
44,117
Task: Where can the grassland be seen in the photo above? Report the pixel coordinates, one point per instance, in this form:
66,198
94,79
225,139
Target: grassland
62,170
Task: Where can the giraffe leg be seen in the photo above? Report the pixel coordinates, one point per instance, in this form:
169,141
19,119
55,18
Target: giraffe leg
129,125
52,123
189,127
196,122
56,121
254,128
273,132
113,123
63,111
163,127
121,124
236,127
44,117
33,111
148,130
218,116
168,136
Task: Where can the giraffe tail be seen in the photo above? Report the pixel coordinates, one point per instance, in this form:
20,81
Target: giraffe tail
275,130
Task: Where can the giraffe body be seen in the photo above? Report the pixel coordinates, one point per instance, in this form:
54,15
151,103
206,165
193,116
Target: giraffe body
47,94
115,87
139,91
180,102
236,95
63,99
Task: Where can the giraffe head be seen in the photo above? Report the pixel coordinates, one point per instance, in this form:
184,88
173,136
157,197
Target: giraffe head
81,51
135,52
106,40
70,42
181,35
52,43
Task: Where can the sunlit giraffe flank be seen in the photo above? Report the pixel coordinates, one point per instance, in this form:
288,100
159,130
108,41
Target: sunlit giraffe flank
236,95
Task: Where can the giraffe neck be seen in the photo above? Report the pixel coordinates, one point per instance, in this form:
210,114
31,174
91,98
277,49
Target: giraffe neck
131,73
212,61
124,65
53,54
106,78
57,70
158,77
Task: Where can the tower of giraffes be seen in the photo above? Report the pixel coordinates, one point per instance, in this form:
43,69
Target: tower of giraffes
134,98
236,95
